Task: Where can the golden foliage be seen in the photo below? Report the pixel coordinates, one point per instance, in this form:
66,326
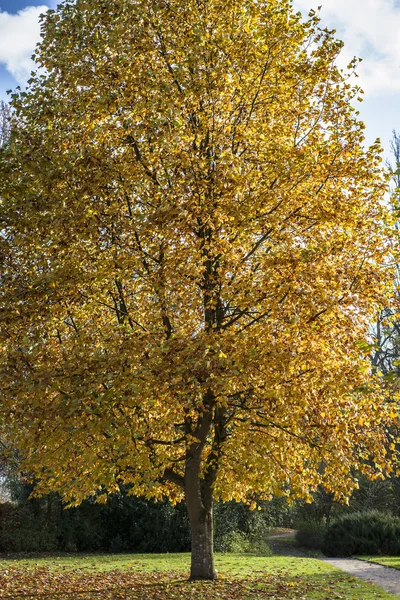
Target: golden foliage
194,242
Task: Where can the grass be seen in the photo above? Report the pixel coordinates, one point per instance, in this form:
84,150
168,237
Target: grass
386,561
164,577
280,531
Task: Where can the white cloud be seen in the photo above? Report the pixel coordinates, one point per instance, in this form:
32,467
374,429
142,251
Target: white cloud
19,35
370,30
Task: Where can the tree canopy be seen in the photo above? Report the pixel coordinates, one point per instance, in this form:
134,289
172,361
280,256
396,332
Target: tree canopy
193,238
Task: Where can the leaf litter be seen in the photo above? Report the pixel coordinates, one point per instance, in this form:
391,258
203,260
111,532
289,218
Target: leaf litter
43,583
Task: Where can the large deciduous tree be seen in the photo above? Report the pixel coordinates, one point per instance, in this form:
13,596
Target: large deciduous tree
192,239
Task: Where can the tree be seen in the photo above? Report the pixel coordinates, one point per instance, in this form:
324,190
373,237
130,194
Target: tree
386,332
5,123
192,244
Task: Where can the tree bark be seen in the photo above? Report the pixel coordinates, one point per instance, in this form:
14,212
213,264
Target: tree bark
198,485
201,524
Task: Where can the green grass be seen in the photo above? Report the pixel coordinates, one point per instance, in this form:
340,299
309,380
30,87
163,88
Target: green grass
164,577
280,531
386,561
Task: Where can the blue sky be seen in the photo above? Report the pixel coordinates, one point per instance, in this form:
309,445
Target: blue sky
369,28
13,6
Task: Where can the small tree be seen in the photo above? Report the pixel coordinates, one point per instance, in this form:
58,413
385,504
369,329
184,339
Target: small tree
5,123
386,332
192,240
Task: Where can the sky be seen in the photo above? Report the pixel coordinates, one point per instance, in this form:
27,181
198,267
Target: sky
370,30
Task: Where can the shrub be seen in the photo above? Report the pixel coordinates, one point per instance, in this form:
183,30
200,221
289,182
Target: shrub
240,542
232,541
21,531
238,529
311,535
368,532
257,542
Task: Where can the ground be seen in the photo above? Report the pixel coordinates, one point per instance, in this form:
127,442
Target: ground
386,561
164,577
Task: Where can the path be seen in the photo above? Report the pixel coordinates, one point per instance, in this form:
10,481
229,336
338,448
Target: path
385,577
284,544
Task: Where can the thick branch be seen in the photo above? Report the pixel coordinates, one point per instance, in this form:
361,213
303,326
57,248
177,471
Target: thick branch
174,477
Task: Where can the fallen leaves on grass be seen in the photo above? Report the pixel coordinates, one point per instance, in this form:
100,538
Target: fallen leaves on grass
46,584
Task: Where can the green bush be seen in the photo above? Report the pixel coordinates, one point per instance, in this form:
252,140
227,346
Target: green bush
232,541
311,535
240,542
239,529
128,524
257,541
123,524
370,532
21,531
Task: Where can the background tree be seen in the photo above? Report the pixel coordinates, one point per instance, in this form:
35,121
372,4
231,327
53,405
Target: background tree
5,123
193,235
386,333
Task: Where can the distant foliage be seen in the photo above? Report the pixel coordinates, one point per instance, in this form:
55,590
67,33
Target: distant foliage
123,524
361,533
378,495
319,512
239,529
311,536
129,524
254,542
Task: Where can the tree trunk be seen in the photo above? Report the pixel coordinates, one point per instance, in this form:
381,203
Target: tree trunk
199,501
202,565
198,485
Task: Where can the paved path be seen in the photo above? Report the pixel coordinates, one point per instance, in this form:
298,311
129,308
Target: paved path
281,535
385,577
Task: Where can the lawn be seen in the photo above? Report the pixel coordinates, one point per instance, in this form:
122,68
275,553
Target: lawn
164,577
386,561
